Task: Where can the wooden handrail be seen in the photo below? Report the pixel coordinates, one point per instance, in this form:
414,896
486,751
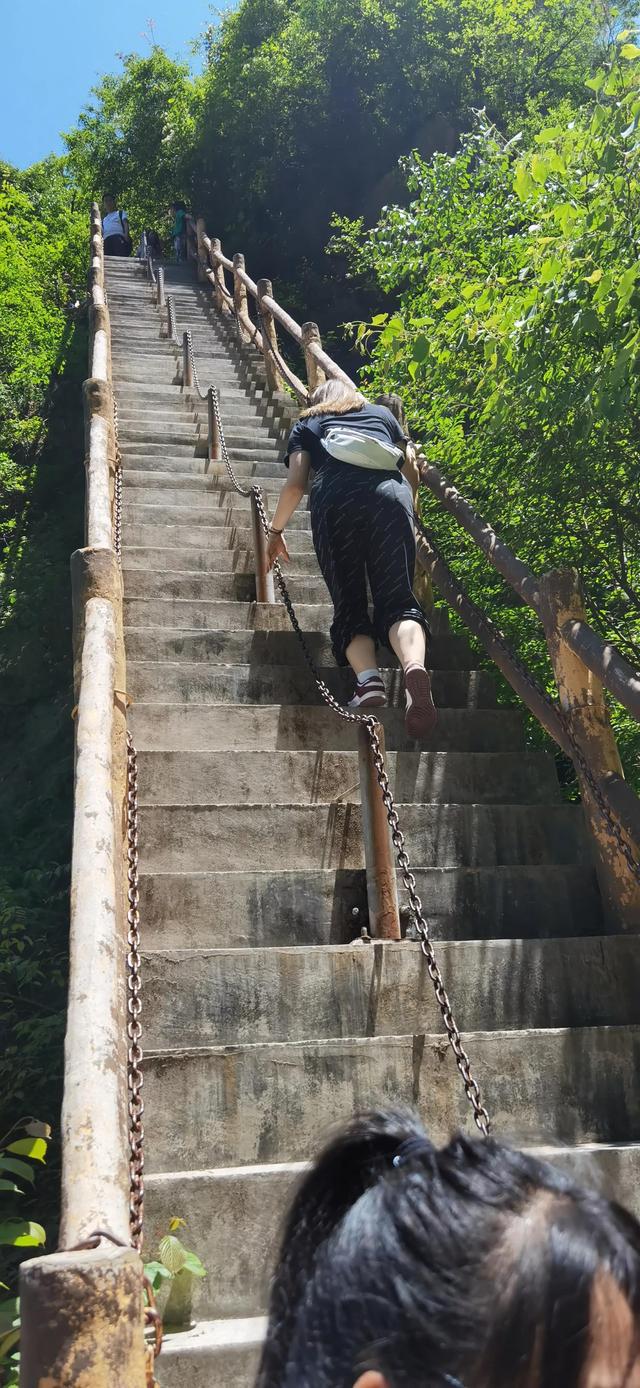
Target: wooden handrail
599,656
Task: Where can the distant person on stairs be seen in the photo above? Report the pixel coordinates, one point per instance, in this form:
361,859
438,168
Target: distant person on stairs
471,1266
362,525
178,231
115,228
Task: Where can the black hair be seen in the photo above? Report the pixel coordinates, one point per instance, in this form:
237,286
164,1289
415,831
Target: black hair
468,1267
395,404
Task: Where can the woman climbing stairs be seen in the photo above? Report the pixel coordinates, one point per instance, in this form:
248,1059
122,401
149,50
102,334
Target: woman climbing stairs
267,1015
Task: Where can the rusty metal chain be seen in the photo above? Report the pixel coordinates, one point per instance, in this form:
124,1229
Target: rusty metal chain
370,724
134,1004
117,492
289,375
577,755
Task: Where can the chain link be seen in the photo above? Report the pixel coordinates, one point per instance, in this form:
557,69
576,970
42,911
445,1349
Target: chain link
578,757
117,493
134,1003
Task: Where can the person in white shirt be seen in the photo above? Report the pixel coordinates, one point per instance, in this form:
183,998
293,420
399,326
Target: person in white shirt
115,229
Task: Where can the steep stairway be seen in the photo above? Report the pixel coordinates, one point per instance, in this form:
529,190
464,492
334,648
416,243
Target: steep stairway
267,1017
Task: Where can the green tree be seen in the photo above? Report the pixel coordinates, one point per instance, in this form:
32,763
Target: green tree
518,350
135,139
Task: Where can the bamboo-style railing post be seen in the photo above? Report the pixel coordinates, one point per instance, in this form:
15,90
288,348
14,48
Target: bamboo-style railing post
583,704
203,258
240,302
315,375
213,430
264,580
219,286
382,887
269,337
187,374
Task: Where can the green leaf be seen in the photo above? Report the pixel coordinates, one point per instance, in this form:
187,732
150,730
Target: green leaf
172,1253
193,1265
539,169
596,83
594,277
156,1272
420,350
630,51
523,182
18,1168
33,1147
21,1233
11,1185
7,1342
379,319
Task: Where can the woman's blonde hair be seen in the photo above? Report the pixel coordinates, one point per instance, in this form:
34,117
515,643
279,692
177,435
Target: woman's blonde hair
334,397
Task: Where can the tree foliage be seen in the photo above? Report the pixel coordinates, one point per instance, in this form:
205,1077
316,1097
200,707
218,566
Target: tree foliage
518,350
43,235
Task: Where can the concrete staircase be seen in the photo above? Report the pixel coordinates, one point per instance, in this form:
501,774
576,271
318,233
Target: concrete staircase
266,1017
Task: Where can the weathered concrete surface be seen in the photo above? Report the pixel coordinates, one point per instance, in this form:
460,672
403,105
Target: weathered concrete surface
243,1104
179,837
213,1353
288,778
183,727
212,997
233,909
82,1323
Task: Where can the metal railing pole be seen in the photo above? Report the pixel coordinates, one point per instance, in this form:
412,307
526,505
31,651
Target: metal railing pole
382,887
264,579
160,293
213,430
187,374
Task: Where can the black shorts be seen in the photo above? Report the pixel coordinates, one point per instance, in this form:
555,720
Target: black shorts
116,245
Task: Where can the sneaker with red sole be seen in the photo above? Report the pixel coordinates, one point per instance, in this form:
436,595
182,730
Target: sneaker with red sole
369,693
420,711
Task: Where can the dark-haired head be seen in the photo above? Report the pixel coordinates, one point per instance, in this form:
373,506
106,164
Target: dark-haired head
475,1266
395,405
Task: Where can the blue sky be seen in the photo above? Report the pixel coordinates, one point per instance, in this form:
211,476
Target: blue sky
53,53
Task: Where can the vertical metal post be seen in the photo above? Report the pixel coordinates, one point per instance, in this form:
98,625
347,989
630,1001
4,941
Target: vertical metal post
186,363
582,701
264,580
214,445
160,294
269,338
382,888
315,374
219,286
240,297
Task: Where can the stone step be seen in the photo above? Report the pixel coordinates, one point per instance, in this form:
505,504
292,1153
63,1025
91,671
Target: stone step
262,648
168,489
158,509
182,838
224,1353
263,467
233,909
212,587
291,778
218,558
196,997
200,683
218,1204
275,1102
225,727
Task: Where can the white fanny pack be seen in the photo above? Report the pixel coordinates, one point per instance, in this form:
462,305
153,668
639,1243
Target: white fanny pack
361,450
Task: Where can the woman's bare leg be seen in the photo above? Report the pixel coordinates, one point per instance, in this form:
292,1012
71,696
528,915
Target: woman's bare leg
361,654
407,639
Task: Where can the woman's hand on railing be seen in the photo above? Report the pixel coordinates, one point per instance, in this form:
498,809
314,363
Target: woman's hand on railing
276,548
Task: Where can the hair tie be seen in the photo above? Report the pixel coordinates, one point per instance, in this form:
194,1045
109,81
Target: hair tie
412,1147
